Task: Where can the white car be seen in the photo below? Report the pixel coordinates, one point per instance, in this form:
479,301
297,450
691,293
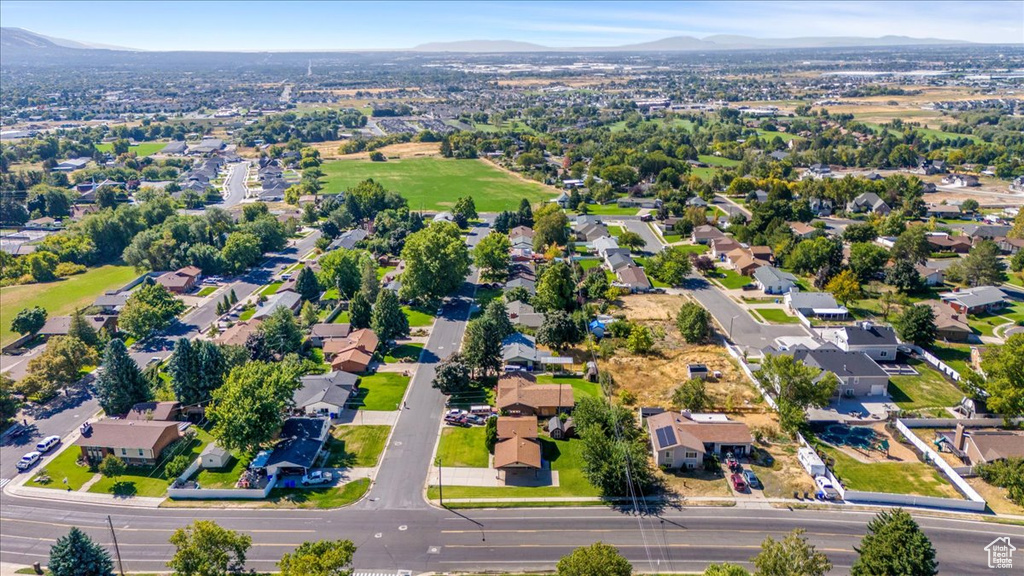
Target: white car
28,460
47,443
317,477
826,490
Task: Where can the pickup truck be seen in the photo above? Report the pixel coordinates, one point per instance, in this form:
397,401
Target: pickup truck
317,477
826,491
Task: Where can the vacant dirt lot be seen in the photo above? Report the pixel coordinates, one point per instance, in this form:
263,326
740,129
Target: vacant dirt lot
329,149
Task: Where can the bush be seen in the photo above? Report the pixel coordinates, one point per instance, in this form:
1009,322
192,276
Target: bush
1008,473
65,269
627,398
177,466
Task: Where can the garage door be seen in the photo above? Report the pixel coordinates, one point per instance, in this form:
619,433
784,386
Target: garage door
878,389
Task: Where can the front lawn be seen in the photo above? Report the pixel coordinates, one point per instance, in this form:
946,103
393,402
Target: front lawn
356,446
271,288
776,316
914,478
404,353
246,314
418,316
463,447
152,481
381,391
324,497
730,279
206,291
65,465
929,389
580,386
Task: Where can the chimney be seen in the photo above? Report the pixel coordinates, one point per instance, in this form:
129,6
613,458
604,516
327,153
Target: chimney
958,439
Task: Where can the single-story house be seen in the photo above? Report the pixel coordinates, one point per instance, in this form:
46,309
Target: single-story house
524,283
137,442
960,180
174,147
774,281
60,325
632,277
975,300
634,202
941,242
704,234
722,246
354,353
348,239
943,211
1010,245
983,446
878,342
519,394
155,412
802,230
180,281
523,314
931,276
858,374
517,446
237,334
986,231
949,324
289,300
322,332
301,441
72,164
618,258
591,231
111,302
519,353
604,244
814,304
757,196
682,439
324,394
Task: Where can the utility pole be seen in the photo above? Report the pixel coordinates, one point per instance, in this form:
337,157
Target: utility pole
440,483
117,550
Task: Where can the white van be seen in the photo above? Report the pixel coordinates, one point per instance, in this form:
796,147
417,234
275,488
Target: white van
46,444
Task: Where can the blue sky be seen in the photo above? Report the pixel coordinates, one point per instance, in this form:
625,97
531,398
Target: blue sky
388,25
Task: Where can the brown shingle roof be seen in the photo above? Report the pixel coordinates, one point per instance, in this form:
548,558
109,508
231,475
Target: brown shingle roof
363,339
155,411
517,427
326,331
519,389
130,434
687,430
517,452
995,445
237,334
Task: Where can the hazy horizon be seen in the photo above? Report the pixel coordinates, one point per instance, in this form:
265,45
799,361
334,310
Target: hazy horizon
311,26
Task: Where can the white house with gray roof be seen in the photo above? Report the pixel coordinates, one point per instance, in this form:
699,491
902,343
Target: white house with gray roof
774,281
814,304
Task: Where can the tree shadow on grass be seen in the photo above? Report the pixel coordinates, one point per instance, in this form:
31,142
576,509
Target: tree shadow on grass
124,489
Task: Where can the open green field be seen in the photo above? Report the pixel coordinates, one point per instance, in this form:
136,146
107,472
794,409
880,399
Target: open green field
685,123
436,183
928,133
62,296
381,391
580,387
770,135
928,389
718,161
142,149
915,478
564,455
356,446
462,447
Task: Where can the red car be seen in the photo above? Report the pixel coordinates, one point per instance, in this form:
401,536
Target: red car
738,483
732,463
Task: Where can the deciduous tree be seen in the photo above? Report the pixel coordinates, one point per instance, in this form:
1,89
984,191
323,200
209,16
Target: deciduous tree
436,262
845,286
451,375
555,289
281,332
694,322
691,395
894,546
793,556
29,320
598,559
493,257
388,320
916,324
1004,370
204,548
320,558
248,409
559,330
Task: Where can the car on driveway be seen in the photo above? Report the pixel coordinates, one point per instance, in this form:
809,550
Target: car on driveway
738,483
751,479
317,477
28,460
732,463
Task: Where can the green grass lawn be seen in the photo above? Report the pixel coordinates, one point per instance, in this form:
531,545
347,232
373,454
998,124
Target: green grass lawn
436,183
718,161
383,270
564,456
915,478
485,295
329,497
206,291
342,318
956,356
580,387
615,231
356,446
776,316
246,314
271,288
60,297
672,238
149,480
225,477
692,248
589,263
929,389
418,316
142,149
731,280
381,391
462,447
404,353
612,209
769,135
65,465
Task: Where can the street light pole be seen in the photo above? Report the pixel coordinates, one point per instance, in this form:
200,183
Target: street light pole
117,550
440,482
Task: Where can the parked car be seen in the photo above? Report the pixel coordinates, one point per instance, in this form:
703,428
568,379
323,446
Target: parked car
751,479
475,419
826,491
46,444
738,483
732,463
317,477
749,287
460,421
28,460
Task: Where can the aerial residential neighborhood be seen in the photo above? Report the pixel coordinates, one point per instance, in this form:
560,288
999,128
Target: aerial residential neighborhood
375,300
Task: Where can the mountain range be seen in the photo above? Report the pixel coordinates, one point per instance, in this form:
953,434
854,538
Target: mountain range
19,41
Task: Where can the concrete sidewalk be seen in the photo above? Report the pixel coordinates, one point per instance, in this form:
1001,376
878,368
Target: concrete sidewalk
82,497
489,478
369,417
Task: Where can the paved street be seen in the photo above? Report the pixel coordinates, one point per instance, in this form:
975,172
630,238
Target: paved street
233,190
652,244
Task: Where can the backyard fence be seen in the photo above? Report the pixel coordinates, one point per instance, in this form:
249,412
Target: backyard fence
938,364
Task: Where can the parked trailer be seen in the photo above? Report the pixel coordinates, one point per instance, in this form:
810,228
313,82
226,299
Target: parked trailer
811,462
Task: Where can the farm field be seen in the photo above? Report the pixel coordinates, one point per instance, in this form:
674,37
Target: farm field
142,150
60,297
434,183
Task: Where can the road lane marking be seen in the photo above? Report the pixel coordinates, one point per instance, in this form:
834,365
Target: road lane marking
705,546
606,530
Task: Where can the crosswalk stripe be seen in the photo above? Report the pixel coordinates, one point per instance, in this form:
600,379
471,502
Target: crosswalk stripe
4,482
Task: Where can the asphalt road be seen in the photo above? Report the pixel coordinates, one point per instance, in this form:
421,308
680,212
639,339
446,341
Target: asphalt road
738,324
652,244
233,190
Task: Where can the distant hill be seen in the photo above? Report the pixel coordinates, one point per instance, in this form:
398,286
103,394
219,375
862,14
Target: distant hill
481,46
21,38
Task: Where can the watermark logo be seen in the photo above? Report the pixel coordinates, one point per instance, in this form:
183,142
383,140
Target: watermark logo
1000,553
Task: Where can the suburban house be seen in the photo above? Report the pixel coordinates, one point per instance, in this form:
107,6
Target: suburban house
976,300
301,441
929,167
237,334
617,258
155,412
931,276
604,244
745,260
868,202
774,281
632,277
802,230
986,231
983,446
960,180
517,446
523,314
174,147
878,342
322,332
819,170
858,374
943,211
821,207
111,302
324,394
520,350
705,234
722,246
180,281
942,242
814,304
72,164
590,231
137,442
289,300
521,235
348,239
949,324
519,394
524,283
634,202
60,325
682,439
354,353
1010,245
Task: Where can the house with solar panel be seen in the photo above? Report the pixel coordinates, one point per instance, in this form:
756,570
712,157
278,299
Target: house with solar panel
683,440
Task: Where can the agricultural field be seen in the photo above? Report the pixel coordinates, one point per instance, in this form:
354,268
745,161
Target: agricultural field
60,297
434,183
142,149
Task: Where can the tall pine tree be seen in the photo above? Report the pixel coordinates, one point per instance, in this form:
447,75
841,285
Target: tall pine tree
77,555
197,369
369,284
307,285
81,329
359,312
121,384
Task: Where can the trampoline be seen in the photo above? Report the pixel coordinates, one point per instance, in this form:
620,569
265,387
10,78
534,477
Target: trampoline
843,435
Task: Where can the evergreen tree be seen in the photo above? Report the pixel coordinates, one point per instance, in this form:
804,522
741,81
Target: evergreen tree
388,320
359,312
496,316
120,385
181,366
369,284
895,546
307,285
525,213
281,332
308,314
233,297
81,329
77,555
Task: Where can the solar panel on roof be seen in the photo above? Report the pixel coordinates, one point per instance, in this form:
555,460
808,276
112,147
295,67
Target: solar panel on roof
666,435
